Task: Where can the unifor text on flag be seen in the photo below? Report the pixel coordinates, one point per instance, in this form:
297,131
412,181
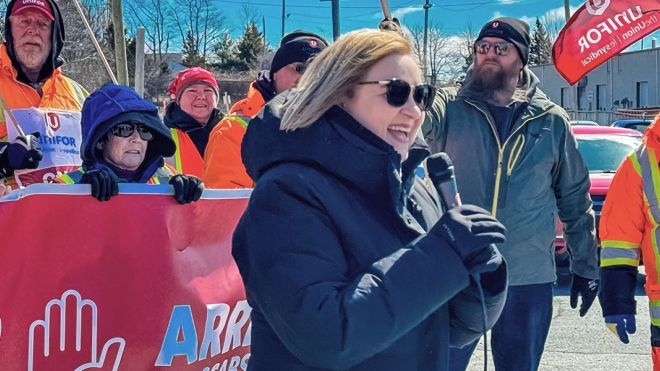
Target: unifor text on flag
599,30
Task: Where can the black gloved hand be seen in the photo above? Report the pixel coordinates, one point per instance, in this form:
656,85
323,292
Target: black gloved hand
104,183
469,229
487,260
585,287
23,153
186,188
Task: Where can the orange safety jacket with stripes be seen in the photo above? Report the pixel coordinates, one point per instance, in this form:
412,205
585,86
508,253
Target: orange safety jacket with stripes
629,228
58,92
186,159
223,164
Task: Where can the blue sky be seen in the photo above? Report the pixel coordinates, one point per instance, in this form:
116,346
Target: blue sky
452,16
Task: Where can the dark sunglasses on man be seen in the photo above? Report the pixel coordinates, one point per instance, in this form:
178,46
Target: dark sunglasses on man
126,129
502,48
398,92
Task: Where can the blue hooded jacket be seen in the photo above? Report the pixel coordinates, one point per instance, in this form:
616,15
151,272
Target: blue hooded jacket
112,104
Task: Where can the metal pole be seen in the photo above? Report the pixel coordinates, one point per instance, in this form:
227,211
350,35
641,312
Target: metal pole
426,36
263,27
335,19
139,62
283,15
120,42
104,61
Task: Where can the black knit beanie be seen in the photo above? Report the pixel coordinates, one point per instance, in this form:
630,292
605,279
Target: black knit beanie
297,46
512,30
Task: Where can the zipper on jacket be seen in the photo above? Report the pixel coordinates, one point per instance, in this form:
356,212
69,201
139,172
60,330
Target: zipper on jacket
500,155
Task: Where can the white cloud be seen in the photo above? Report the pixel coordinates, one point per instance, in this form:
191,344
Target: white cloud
402,12
556,13
507,2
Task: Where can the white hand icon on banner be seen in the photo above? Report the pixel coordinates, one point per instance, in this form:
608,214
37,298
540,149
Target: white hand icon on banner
111,352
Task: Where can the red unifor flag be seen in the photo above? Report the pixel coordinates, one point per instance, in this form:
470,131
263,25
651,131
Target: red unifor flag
599,30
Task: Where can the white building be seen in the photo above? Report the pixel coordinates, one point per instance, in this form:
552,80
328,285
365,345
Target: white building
628,81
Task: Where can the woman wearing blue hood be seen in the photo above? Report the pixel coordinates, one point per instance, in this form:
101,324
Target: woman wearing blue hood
125,141
347,258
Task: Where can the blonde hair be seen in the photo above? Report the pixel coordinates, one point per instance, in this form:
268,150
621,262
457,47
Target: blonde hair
333,75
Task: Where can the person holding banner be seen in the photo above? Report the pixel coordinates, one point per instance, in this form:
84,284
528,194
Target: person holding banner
124,141
223,167
35,96
191,116
347,259
629,235
515,155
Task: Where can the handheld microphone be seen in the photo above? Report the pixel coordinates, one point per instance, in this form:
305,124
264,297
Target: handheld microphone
441,172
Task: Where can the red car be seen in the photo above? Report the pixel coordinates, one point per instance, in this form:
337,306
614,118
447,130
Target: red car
603,149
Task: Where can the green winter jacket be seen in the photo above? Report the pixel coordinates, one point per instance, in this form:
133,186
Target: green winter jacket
535,175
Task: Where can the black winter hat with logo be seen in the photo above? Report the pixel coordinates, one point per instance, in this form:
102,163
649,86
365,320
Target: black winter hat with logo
512,30
297,46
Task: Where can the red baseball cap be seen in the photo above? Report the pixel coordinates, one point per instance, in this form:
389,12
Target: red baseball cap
39,5
187,77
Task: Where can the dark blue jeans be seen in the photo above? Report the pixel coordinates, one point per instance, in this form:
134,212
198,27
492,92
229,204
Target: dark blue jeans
518,337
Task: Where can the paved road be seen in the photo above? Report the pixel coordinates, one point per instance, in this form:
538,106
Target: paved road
584,344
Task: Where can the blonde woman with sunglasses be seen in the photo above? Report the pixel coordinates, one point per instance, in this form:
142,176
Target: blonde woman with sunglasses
125,141
346,257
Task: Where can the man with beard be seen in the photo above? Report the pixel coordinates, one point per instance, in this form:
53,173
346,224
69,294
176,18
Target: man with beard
30,77
514,155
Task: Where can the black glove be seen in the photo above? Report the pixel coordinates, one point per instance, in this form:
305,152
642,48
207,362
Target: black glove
469,230
186,188
585,287
104,183
23,153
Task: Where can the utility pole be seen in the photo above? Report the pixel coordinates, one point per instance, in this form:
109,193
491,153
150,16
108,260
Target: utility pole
335,19
427,6
263,27
139,62
283,15
120,42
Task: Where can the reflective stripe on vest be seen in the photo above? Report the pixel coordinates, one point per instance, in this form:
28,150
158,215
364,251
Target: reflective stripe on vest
243,120
161,176
619,253
648,163
177,154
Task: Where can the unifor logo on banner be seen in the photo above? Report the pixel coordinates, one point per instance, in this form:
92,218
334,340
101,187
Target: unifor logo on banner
597,7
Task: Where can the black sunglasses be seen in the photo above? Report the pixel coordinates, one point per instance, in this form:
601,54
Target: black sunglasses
398,92
502,48
126,129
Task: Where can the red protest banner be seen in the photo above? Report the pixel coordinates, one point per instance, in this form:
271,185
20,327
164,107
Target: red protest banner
599,30
136,283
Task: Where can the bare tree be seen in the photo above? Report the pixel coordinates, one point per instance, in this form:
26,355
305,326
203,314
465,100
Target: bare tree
443,62
466,45
158,21
81,60
200,26
553,23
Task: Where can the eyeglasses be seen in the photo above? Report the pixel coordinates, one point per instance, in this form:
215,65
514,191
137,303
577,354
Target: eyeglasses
398,92
502,48
126,129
